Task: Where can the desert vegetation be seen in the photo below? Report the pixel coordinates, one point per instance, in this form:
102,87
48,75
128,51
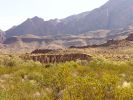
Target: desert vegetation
98,79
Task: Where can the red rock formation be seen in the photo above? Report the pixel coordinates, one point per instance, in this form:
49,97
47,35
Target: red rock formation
57,58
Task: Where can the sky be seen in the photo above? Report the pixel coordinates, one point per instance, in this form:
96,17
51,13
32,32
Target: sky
14,12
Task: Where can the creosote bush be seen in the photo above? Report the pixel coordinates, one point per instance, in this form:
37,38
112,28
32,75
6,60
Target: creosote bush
100,79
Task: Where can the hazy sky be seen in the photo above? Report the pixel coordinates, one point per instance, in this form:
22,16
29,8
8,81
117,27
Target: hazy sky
13,12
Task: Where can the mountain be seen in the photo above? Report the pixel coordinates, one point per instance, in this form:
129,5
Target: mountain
2,36
112,15
29,26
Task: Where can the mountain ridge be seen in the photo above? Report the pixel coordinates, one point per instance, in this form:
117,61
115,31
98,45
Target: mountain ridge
112,15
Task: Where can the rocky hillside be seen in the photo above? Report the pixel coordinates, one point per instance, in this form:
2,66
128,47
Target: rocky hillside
112,15
31,42
2,36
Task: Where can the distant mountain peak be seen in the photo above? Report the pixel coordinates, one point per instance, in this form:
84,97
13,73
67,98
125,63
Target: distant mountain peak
36,18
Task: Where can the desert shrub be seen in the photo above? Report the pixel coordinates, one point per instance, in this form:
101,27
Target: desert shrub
109,83
58,80
124,93
49,65
84,89
96,80
10,61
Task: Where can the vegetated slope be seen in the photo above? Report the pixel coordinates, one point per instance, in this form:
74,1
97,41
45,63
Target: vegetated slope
112,15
